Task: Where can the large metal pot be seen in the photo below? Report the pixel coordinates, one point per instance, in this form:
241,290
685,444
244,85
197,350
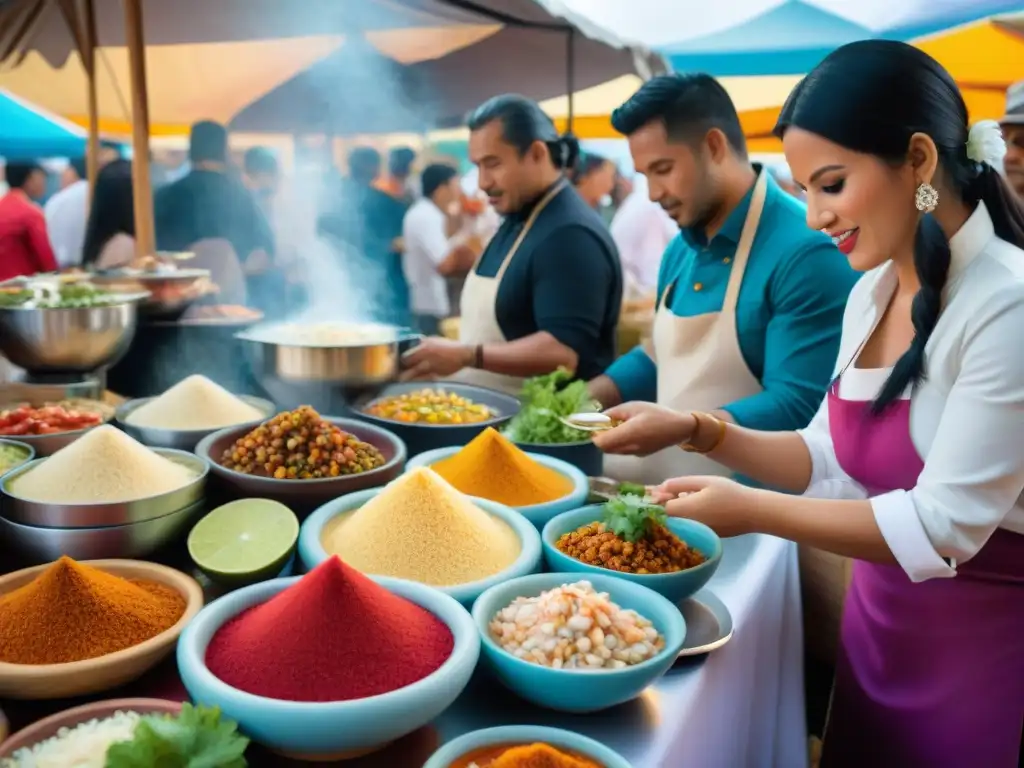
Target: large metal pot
68,340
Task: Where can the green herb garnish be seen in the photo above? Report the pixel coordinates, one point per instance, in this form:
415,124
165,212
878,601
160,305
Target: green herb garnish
632,489
631,517
197,737
544,399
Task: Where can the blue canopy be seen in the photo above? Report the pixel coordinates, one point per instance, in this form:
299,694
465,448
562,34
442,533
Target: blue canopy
794,36
27,133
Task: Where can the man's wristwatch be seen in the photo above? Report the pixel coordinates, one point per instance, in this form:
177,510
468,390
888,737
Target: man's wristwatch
710,434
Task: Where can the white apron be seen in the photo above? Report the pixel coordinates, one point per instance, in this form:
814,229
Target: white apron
700,366
478,322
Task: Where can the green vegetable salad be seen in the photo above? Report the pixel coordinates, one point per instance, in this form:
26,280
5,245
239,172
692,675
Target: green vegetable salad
544,399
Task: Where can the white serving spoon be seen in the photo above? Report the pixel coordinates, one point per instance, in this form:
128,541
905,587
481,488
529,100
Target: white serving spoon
588,422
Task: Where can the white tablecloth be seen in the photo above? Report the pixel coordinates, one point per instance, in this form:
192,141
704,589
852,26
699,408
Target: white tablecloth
743,707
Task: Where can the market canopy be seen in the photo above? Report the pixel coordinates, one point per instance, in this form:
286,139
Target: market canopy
360,90
425,37
28,133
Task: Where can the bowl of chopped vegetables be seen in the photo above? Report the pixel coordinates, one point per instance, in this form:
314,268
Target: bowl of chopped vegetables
618,638
302,459
630,538
48,327
440,416
537,427
13,454
50,426
127,732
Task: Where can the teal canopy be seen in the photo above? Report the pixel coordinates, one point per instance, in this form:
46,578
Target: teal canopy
27,133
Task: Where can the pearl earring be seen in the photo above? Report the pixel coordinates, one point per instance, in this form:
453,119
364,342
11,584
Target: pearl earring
926,198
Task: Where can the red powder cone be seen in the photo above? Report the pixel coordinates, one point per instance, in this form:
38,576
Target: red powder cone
334,635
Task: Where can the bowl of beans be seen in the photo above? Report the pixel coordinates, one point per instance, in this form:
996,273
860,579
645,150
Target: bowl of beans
50,426
301,459
577,645
675,557
438,416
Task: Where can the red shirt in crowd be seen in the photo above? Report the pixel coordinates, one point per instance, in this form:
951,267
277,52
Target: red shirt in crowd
24,245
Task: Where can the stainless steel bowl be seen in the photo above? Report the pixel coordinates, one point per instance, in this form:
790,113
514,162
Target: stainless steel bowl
156,306
356,365
134,541
71,516
181,439
68,340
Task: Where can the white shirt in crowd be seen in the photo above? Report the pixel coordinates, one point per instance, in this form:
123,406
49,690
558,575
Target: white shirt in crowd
426,246
966,416
66,214
642,231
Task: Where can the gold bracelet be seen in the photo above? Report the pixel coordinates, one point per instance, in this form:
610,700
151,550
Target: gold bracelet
689,447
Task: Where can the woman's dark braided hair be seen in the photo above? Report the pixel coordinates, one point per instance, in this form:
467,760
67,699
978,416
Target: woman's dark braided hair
871,97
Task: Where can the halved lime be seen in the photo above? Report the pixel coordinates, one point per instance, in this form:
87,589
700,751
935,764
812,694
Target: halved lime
244,542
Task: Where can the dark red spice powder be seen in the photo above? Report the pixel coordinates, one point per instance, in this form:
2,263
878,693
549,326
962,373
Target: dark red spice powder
334,635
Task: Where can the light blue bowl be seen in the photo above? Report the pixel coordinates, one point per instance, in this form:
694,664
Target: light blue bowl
312,552
675,586
538,514
573,690
526,734
336,728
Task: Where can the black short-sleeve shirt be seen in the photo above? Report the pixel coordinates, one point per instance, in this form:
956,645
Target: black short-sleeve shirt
566,279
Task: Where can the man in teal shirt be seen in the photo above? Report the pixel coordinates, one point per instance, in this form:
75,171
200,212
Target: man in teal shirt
750,300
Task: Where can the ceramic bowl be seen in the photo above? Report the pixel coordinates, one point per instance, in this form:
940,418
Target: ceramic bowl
54,515
69,718
572,690
312,552
584,455
339,729
419,438
302,496
79,678
675,586
182,439
538,514
27,454
514,735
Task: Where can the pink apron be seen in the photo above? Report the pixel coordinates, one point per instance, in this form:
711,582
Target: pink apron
930,675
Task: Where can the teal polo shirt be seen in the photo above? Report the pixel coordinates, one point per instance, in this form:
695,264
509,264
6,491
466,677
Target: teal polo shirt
789,313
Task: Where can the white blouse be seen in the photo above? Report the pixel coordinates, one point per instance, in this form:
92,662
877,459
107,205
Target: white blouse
966,416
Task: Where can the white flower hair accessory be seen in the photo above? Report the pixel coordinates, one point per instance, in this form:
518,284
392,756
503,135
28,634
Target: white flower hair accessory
985,143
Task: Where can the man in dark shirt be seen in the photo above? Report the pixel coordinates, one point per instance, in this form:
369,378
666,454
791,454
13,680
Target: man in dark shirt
547,291
209,202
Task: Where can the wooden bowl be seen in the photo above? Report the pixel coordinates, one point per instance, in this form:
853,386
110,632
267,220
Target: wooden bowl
78,678
69,718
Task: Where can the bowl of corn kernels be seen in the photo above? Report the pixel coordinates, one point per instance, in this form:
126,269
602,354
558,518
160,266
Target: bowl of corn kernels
438,415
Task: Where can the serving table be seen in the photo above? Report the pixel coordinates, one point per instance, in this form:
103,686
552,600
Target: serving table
742,705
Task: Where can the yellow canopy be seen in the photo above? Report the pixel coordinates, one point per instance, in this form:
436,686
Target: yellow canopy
985,57
210,81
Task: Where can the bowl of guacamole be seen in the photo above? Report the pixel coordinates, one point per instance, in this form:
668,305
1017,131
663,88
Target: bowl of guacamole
14,454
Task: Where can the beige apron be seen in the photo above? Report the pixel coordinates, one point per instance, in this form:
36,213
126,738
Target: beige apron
700,366
478,322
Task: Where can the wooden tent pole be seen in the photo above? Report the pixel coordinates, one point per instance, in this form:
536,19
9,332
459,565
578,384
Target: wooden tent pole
91,43
145,236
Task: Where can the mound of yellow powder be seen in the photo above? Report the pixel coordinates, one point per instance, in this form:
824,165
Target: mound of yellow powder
491,467
420,528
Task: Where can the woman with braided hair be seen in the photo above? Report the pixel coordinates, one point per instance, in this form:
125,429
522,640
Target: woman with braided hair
914,464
